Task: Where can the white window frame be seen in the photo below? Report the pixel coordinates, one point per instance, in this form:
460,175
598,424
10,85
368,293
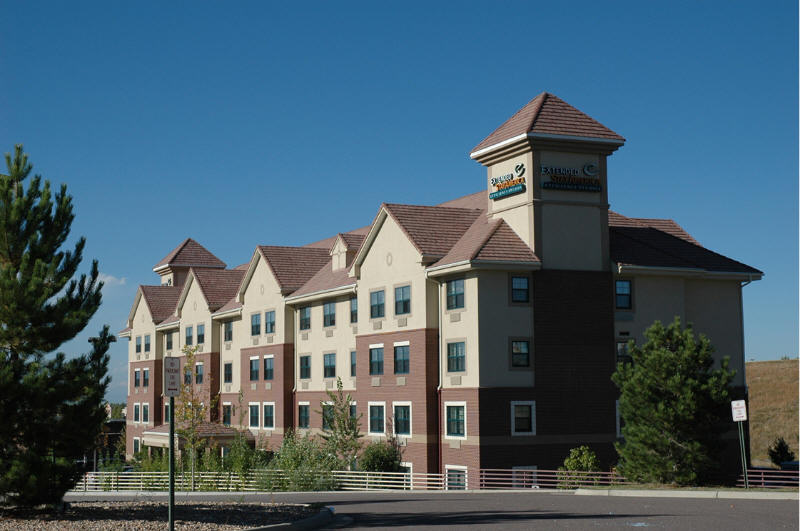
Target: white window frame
457,467
137,440
444,416
369,419
137,407
410,418
194,376
531,403
249,419
264,419
264,369
376,345
135,371
223,412
526,470
148,377
145,404
304,403
401,344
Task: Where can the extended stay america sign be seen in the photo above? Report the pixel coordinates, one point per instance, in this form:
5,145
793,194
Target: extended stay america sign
585,179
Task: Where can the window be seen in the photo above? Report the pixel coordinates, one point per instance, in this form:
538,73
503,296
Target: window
188,335
623,355
352,363
623,294
226,414
138,344
305,318
456,357
187,376
401,359
228,331
136,447
455,420
327,416
255,324
402,419
376,418
147,343
269,416
136,378
519,289
169,340
329,365
523,418
520,355
376,361
455,294
269,322
402,300
302,416
198,373
201,334
145,413
353,412
254,415
456,478
145,377
329,314
376,309
354,310
305,367
269,368
228,373
166,412
136,412
254,369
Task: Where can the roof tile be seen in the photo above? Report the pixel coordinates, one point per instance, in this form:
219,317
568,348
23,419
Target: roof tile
293,266
218,286
190,254
432,229
161,300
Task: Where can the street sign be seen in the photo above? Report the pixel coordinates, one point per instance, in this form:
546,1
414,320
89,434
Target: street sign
172,377
739,410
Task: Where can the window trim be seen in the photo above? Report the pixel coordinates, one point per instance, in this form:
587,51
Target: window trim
255,316
137,378
445,286
188,335
201,374
250,416
394,299
324,366
264,366
383,359
264,416
447,344
222,419
369,419
145,407
197,333
308,405
511,301
145,380
532,404
460,468
511,366
630,306
274,321
258,371
326,305
461,403
410,419
300,367
300,318
137,416
377,290
225,326
224,375
401,344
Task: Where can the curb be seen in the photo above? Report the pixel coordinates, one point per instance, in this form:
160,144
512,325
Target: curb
323,517
697,494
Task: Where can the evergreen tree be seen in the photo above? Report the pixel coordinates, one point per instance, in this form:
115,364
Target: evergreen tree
673,404
779,452
52,408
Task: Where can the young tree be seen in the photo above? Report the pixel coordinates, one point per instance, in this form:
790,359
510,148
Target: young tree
52,408
342,438
673,403
779,452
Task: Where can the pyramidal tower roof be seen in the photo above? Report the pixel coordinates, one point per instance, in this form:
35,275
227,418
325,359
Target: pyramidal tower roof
189,254
548,116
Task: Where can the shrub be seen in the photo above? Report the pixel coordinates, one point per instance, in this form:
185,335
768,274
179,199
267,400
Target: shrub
304,464
780,452
381,456
579,461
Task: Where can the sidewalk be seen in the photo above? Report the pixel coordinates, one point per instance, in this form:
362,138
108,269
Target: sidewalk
741,494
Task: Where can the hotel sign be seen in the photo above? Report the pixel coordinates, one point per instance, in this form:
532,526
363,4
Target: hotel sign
509,184
586,179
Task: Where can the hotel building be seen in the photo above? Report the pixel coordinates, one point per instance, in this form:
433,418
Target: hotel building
481,332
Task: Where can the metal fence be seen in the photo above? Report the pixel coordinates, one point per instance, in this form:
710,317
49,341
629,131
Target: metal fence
770,479
546,479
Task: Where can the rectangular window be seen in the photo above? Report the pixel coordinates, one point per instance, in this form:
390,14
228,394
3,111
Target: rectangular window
352,363
269,368
456,478
305,318
523,418
226,414
455,421
228,331
327,416
402,420
136,379
136,412
353,412
520,355
147,343
269,322
402,300
145,377
354,310
376,419
228,373
201,334
519,289
169,340
302,416
269,416
136,446
401,359
138,344
329,365
255,324
456,357
376,361
254,369
145,413
623,294
254,415
198,373
305,367
376,309
166,412
455,294
189,335
187,375
329,314
623,355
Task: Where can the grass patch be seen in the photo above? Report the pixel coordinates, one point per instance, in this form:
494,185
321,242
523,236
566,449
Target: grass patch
773,406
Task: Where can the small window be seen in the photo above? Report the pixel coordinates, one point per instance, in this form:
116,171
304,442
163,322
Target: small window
456,357
187,376
201,334
145,377
352,363
226,414
623,354
402,420
523,418
519,289
402,300
305,318
253,369
269,416
305,367
329,365
136,412
228,331
136,379
353,412
520,355
401,365
327,416
138,344
147,343
189,335
145,413
376,309
166,412
198,373
269,368
354,310
623,294
456,478
455,421
329,314
255,324
169,340
302,416
269,322
254,415
376,361
136,445
228,373
376,419
455,294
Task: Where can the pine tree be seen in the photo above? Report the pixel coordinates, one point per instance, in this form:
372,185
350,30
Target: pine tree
673,404
52,408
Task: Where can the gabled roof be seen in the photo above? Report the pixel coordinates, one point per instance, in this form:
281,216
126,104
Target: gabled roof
190,254
293,266
664,225
489,241
218,286
548,115
160,300
326,279
478,201
351,241
433,230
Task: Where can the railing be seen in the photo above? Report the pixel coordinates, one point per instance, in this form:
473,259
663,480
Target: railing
770,479
492,478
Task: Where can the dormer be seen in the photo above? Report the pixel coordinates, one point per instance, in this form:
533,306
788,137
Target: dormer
174,267
344,250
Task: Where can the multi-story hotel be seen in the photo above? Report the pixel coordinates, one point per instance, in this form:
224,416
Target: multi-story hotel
481,332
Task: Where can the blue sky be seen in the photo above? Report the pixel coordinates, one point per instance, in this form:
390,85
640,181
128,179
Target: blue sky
258,123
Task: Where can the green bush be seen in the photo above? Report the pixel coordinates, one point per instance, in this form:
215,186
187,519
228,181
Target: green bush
304,465
580,460
779,452
381,456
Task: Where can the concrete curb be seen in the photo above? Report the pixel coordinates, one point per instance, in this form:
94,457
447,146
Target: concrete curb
697,494
322,518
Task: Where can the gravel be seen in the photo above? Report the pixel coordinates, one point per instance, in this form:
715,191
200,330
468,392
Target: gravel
145,515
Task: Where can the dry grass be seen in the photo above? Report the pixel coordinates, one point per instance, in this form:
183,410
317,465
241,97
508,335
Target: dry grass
773,406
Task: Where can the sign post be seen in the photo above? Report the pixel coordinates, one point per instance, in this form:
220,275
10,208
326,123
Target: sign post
172,388
739,412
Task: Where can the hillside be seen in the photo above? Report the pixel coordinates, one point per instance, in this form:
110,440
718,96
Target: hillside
773,407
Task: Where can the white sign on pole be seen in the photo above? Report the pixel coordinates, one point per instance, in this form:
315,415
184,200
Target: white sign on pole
172,376
739,410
